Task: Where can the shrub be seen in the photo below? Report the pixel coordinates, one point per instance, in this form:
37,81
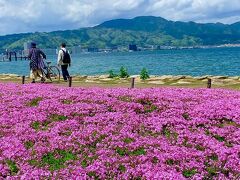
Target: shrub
144,74
112,74
123,72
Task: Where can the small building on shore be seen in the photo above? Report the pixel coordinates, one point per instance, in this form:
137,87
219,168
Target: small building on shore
93,49
76,49
133,47
26,47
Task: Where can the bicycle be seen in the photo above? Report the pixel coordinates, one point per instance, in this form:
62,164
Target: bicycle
51,72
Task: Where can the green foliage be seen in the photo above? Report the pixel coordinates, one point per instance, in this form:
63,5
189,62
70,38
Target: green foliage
84,163
219,138
123,72
155,160
87,160
186,143
171,162
212,171
144,74
170,135
189,172
35,125
12,166
228,144
124,151
200,148
112,74
65,133
166,131
150,108
93,175
207,132
45,124
67,101
33,162
213,157
34,102
28,144
122,168
145,102
57,117
125,98
110,109
52,162
138,151
186,116
56,160
128,140
93,144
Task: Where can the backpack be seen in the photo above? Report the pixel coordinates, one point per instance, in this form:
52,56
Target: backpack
66,57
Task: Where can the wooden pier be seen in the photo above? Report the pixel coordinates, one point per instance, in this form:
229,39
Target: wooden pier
12,56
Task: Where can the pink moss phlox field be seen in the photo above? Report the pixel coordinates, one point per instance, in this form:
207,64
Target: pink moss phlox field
50,132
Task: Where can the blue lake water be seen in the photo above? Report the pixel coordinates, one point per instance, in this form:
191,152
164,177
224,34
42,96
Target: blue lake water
194,62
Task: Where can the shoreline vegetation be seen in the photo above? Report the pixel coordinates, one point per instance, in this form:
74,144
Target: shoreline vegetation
232,82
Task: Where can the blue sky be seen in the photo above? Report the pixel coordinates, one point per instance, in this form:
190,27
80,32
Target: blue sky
17,16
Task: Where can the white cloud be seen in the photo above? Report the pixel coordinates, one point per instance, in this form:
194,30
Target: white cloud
126,5
197,10
47,15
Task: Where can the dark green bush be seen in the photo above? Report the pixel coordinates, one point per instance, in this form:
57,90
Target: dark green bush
144,74
123,72
112,74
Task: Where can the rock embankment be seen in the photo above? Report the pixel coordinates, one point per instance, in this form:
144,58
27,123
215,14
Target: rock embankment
168,80
165,80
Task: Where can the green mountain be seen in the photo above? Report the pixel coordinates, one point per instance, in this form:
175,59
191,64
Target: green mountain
143,31
208,34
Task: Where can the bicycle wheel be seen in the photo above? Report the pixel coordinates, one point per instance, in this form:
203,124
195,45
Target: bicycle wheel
45,73
54,73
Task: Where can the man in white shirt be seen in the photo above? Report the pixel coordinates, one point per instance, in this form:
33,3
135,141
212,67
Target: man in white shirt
64,60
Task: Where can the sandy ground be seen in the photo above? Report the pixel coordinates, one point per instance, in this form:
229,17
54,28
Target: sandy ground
154,81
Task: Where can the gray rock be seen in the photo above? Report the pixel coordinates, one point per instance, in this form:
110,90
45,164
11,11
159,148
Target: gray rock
103,76
178,77
156,82
234,77
165,77
219,77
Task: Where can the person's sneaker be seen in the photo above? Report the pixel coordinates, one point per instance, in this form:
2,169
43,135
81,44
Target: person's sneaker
66,80
42,80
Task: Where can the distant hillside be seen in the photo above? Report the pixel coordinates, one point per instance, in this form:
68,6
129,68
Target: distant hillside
210,33
144,31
